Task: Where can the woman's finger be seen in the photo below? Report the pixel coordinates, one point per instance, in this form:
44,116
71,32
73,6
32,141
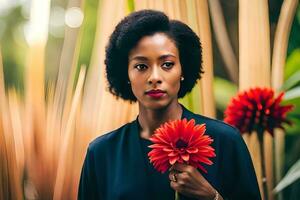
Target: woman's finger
180,167
173,176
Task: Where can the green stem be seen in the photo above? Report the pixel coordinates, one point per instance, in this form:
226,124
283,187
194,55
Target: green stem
263,165
177,195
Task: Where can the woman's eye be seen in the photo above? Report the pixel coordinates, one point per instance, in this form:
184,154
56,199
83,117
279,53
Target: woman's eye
168,65
140,67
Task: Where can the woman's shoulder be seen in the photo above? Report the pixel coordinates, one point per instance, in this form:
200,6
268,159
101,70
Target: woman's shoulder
215,123
217,127
227,136
109,138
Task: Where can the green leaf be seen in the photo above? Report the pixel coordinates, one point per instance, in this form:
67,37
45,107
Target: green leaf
293,80
224,90
292,93
292,64
293,115
294,129
291,176
293,97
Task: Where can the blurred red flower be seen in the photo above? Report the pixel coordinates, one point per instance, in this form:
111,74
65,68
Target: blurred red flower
257,110
180,141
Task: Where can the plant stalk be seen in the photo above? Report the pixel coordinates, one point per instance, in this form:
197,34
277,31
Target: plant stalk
263,164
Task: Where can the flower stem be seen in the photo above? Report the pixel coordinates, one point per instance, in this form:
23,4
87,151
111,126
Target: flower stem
177,195
263,165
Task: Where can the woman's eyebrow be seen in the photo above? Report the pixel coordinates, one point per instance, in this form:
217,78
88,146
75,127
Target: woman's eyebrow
143,58
166,56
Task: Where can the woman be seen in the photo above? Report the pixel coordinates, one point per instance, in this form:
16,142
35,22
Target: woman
154,61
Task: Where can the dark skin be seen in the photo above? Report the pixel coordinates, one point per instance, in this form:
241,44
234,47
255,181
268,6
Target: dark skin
189,181
154,65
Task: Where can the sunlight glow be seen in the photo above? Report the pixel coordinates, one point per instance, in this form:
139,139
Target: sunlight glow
39,22
74,17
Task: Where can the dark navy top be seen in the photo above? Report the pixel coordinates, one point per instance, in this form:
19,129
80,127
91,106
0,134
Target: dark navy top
117,167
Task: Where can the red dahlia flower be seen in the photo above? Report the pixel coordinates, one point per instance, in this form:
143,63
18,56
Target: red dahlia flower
180,141
257,110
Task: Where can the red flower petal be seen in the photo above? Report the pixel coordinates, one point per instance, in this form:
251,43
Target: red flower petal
257,110
173,160
192,150
185,157
180,141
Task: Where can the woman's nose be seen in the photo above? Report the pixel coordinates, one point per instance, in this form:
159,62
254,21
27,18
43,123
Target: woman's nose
155,76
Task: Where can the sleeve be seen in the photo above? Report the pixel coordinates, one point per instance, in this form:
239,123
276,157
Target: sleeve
87,185
244,181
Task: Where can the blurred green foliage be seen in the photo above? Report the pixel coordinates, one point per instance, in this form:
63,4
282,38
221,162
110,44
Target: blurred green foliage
293,60
292,76
292,87
130,5
88,31
224,90
13,46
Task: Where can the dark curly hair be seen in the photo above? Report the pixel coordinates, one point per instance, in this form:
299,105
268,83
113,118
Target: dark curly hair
145,23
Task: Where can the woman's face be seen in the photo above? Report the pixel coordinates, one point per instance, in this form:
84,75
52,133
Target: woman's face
154,71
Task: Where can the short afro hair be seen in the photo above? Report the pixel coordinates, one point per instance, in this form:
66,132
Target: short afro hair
142,23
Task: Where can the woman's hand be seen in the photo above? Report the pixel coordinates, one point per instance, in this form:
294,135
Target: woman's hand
188,181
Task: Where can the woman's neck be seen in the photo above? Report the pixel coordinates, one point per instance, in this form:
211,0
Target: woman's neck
150,119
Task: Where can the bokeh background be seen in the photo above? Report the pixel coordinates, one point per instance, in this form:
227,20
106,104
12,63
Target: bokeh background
54,98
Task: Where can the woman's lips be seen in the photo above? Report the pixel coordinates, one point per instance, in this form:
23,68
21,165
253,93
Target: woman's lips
155,93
